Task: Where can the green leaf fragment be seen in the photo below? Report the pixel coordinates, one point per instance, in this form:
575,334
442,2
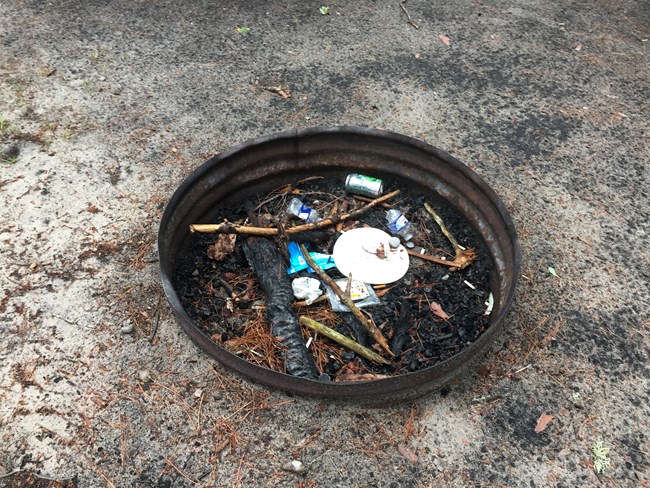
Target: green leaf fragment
601,457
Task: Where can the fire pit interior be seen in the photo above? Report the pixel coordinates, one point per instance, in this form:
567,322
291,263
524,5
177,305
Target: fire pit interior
431,299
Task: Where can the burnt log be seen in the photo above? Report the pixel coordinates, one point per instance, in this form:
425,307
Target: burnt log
266,262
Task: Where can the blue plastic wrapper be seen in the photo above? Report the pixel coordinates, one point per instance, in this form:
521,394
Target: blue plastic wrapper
325,261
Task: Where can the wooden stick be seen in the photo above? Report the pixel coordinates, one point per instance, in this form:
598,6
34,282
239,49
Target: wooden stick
410,20
374,331
449,262
343,340
443,228
463,257
229,228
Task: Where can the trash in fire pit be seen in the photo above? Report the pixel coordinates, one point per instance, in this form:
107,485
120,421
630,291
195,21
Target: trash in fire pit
418,311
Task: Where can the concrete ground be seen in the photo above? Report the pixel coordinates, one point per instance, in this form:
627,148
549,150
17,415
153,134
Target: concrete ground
106,106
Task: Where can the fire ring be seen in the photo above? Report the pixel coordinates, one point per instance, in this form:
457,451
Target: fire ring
271,161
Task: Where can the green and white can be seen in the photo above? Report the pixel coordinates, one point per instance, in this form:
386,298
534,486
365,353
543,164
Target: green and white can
364,185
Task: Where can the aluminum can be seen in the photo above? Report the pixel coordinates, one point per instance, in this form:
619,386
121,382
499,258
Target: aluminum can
364,185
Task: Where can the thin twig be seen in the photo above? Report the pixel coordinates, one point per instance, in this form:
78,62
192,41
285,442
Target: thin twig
283,190
410,21
30,473
370,327
442,226
585,422
182,472
447,262
183,403
154,329
238,477
100,471
222,446
123,434
366,200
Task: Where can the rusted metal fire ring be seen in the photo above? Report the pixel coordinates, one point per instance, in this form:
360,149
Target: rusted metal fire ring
269,162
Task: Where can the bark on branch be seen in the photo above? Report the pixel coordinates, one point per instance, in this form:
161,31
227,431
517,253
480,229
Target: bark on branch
265,260
343,340
230,228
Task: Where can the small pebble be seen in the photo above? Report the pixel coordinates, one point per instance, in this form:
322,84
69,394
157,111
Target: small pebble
295,466
144,376
347,356
127,329
324,377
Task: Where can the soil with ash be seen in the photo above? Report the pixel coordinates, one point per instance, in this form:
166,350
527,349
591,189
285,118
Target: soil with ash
226,303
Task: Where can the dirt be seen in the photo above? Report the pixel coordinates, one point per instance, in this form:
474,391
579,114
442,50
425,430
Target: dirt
105,107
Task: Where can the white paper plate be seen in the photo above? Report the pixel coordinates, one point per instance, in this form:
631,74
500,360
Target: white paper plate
358,251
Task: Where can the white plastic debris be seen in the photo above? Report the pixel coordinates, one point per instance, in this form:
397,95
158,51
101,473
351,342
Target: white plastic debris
490,304
306,288
366,253
362,294
469,284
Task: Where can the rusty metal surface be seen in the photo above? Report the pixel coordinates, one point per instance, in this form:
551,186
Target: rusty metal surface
270,161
